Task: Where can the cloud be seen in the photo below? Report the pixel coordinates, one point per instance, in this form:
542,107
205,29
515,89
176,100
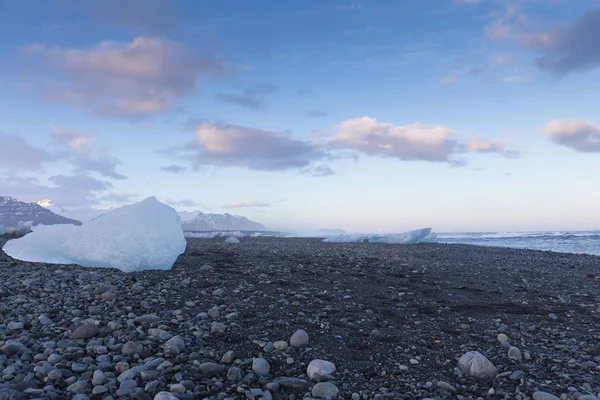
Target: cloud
483,145
579,135
66,190
238,146
78,142
414,142
408,142
17,154
173,169
120,197
253,98
321,171
507,25
246,204
575,47
104,165
316,113
450,79
80,182
183,203
137,79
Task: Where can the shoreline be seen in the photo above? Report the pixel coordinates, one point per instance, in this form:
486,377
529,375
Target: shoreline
394,319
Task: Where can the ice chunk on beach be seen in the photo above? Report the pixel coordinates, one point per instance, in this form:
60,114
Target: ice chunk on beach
2,230
416,236
232,240
140,236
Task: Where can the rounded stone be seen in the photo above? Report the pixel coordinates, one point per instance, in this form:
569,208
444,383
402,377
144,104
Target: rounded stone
261,367
502,338
299,338
325,389
86,331
544,396
320,368
281,345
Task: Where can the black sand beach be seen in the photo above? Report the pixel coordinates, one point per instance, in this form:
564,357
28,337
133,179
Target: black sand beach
394,319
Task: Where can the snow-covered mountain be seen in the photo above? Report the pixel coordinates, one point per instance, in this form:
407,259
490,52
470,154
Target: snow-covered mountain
12,211
198,221
48,205
79,214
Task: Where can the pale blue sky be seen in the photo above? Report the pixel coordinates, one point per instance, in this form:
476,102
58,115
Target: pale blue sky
364,115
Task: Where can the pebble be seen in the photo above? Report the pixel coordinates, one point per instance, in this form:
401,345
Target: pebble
325,389
281,345
86,331
211,369
544,396
514,354
228,357
320,368
261,366
299,339
502,338
446,386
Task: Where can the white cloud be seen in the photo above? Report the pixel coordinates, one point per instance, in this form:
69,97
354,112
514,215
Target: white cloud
407,142
137,79
233,145
579,135
78,142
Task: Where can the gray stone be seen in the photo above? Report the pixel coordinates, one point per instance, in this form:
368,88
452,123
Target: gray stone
299,339
148,319
234,374
131,348
514,354
86,331
14,326
228,357
544,396
174,346
319,368
214,312
211,369
261,367
325,389
446,386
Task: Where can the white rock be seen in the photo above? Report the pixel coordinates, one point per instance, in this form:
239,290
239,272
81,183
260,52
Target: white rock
140,236
477,365
320,367
502,338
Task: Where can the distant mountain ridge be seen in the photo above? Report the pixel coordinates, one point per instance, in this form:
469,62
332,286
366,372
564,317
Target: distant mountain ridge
12,211
199,221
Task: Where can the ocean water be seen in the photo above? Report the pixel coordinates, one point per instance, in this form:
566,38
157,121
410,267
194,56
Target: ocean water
586,242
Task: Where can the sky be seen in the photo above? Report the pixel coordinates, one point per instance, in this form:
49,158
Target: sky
378,116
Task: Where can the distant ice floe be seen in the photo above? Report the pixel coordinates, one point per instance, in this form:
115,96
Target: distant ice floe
210,235
417,236
140,236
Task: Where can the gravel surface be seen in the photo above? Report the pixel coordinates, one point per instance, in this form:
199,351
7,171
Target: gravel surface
246,320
